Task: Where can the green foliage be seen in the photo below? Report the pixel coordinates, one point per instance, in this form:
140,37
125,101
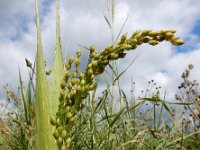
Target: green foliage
43,128
66,114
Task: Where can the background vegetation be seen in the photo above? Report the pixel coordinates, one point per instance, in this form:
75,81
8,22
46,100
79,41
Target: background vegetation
68,112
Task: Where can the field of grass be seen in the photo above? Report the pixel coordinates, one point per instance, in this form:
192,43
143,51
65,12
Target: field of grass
70,112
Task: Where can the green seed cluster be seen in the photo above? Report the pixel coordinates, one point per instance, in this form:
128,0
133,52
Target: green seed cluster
76,85
113,52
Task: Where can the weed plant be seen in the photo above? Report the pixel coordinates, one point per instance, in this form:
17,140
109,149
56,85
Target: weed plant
67,113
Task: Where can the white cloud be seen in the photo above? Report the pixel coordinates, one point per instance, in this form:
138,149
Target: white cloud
83,22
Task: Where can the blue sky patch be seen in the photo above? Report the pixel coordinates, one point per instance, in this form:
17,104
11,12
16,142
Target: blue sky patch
196,29
189,44
21,26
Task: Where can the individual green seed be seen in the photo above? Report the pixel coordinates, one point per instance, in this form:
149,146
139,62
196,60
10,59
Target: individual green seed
169,35
73,81
60,129
82,82
125,46
153,33
133,41
64,134
136,33
56,134
72,120
58,122
90,65
73,92
67,109
82,75
105,62
68,96
114,56
63,84
78,81
53,121
68,141
179,42
94,63
67,75
145,32
174,39
63,147
104,53
59,141
96,56
92,48
122,55
68,67
90,72
77,62
92,77
82,89
74,74
71,60
69,85
92,55
109,49
123,39
78,88
190,66
172,31
116,47
62,94
78,53
83,104
146,40
69,115
153,42
92,86
87,87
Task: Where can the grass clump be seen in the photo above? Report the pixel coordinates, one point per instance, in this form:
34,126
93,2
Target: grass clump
67,114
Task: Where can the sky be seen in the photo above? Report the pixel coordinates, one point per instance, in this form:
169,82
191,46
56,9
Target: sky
82,22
